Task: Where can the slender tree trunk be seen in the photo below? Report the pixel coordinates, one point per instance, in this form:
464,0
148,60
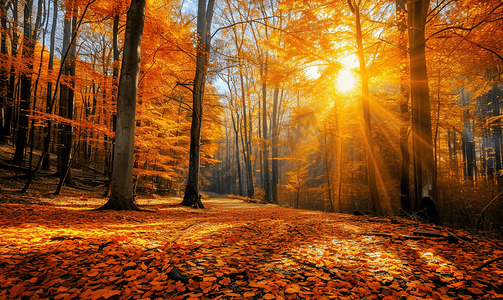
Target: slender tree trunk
121,197
3,70
9,100
27,54
246,149
204,17
495,98
115,76
46,164
265,145
327,164
66,100
425,183
259,133
274,146
238,162
371,161
38,25
401,13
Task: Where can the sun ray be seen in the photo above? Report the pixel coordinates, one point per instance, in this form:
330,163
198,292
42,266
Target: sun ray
346,81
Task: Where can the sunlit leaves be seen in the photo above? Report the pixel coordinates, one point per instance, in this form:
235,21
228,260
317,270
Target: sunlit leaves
232,249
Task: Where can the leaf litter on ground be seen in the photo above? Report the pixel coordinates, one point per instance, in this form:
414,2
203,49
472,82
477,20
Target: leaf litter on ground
234,250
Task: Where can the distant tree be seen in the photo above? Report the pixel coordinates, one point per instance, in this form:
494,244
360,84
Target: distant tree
121,197
204,17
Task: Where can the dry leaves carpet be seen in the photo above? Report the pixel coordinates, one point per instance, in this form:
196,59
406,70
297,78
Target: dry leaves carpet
233,250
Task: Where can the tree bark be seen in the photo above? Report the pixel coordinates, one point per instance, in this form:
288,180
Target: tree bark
121,197
425,183
371,161
46,164
9,99
468,142
66,100
274,146
265,145
401,13
204,17
246,144
27,54
3,70
115,76
238,162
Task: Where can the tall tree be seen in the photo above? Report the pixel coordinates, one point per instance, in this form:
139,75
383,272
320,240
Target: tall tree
204,17
371,161
265,144
3,69
66,95
46,164
121,197
425,183
401,15
274,145
12,73
27,54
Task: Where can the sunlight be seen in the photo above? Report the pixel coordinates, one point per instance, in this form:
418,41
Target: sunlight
346,81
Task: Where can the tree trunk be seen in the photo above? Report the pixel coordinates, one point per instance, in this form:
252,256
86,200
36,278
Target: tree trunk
204,17
3,70
401,13
265,145
246,148
327,166
274,146
238,162
9,99
46,164
66,101
495,98
121,197
468,143
425,183
115,76
371,162
27,54
38,25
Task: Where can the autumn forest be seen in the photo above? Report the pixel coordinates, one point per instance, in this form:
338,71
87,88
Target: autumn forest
380,107
261,149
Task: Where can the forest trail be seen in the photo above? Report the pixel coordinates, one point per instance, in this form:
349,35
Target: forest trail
233,250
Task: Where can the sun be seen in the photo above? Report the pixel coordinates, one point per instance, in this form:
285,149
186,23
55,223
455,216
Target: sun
346,81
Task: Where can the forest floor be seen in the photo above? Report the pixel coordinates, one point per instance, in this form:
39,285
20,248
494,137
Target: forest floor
59,247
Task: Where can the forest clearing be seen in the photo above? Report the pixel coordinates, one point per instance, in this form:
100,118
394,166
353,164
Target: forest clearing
60,247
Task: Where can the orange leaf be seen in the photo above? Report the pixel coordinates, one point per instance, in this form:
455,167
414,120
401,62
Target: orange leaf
205,285
475,291
225,281
249,294
269,296
209,278
16,290
111,293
